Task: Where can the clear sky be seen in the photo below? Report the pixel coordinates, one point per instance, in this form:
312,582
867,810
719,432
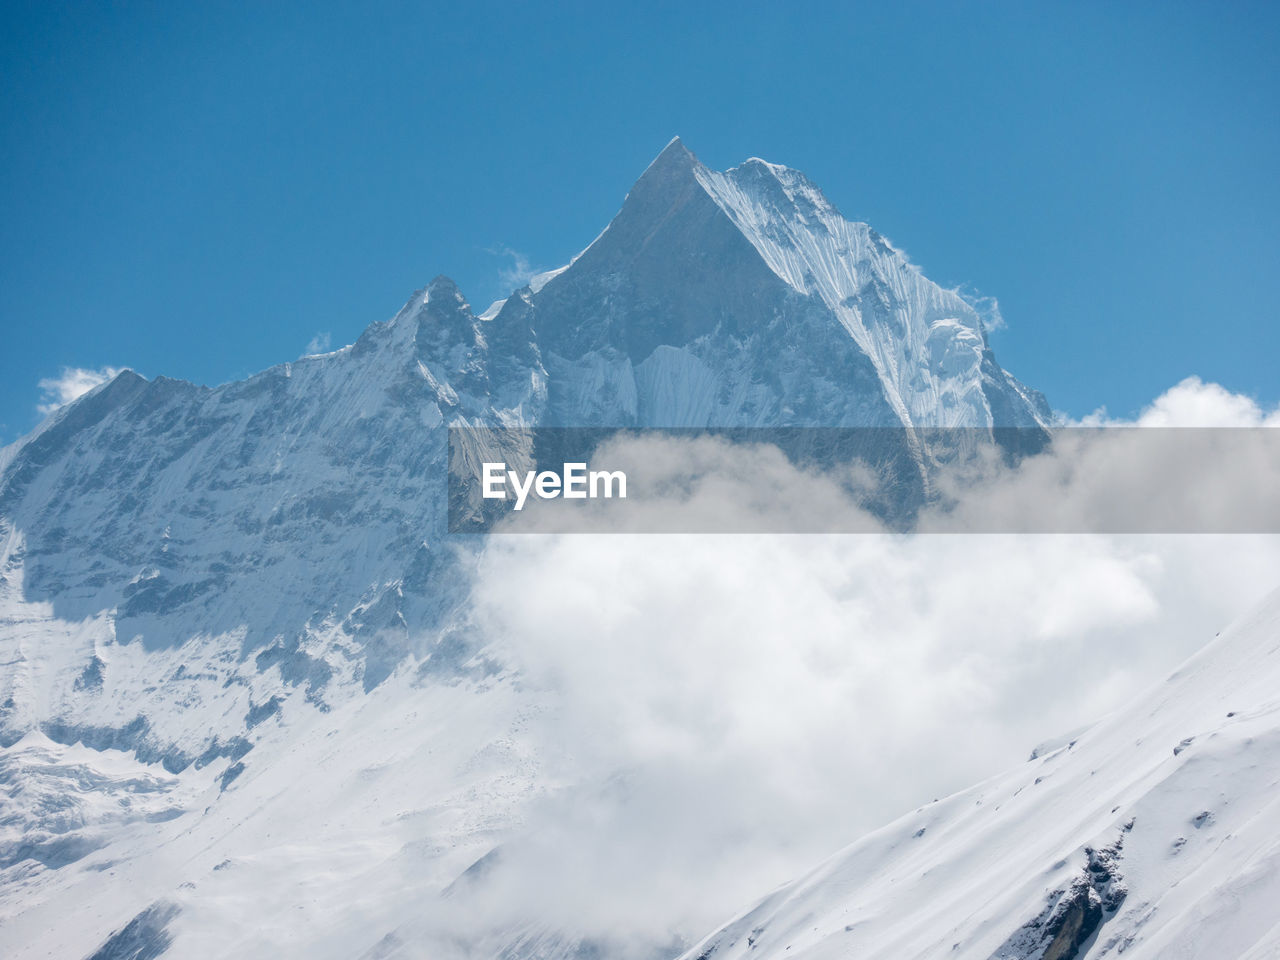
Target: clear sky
200,190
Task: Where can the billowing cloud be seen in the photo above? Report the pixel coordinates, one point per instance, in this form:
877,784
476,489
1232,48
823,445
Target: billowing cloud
69,384
1194,403
719,712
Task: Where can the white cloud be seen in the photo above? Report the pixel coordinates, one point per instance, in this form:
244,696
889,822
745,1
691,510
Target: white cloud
69,384
518,273
318,344
1194,403
723,711
987,308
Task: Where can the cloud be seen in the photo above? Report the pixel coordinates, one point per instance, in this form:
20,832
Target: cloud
723,712
1193,403
987,308
718,713
69,384
518,274
318,344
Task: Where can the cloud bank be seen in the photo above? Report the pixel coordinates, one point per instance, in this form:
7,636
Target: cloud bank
721,712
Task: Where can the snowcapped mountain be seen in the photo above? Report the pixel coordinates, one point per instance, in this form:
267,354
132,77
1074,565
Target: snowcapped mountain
1152,834
302,511
745,299
212,599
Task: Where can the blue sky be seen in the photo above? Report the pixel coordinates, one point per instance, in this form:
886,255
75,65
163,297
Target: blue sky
199,190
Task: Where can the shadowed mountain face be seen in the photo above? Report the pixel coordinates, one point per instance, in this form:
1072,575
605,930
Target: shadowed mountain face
177,562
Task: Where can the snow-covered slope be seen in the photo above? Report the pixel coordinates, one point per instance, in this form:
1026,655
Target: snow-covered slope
1153,834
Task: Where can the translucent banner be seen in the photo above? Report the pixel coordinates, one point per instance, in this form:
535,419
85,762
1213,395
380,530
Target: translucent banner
864,480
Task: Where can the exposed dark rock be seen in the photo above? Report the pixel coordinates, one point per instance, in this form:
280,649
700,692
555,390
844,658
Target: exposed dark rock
145,937
1072,916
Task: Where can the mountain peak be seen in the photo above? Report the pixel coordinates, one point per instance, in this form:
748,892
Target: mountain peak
676,145
442,287
697,253
675,160
782,187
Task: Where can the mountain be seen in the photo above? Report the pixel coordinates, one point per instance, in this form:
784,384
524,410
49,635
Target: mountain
1152,834
302,510
745,299
212,598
